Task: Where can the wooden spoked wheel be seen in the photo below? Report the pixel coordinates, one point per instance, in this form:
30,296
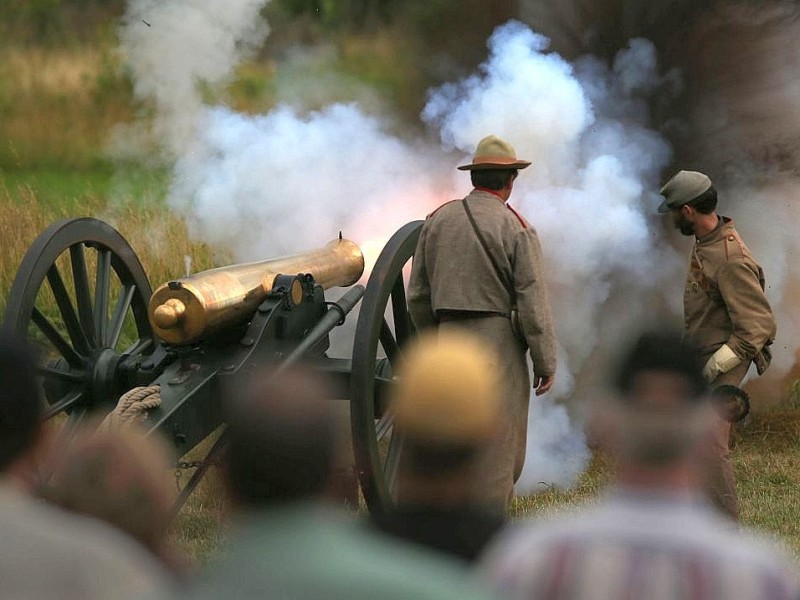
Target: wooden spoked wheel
384,327
80,299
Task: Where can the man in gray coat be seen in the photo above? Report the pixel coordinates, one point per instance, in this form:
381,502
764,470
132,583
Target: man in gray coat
478,265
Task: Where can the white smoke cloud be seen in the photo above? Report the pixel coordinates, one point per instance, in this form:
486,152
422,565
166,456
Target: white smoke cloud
290,180
174,47
521,92
286,182
770,235
557,450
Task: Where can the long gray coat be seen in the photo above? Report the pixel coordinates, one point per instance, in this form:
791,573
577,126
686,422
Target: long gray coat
451,271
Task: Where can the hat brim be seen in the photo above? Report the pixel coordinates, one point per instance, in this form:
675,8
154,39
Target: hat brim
485,166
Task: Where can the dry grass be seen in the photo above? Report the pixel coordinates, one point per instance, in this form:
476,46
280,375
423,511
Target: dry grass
57,105
766,457
554,500
200,527
159,238
40,71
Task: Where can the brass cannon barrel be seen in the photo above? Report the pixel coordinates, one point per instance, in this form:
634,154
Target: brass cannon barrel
186,310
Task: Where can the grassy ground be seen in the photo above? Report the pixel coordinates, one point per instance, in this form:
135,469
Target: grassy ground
32,200
766,455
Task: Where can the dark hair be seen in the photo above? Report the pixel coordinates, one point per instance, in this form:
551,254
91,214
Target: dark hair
281,437
662,352
20,402
706,202
426,459
492,179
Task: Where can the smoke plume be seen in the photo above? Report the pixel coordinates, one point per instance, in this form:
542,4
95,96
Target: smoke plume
174,47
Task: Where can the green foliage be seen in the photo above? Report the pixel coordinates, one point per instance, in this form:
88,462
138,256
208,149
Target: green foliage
112,81
343,14
53,22
253,87
42,17
298,7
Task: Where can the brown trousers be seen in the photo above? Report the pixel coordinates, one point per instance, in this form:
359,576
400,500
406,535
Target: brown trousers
720,478
503,460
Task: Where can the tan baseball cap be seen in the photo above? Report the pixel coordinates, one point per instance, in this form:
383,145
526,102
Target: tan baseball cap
682,188
494,153
448,390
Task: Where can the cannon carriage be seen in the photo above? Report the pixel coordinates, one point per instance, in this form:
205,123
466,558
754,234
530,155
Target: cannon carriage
83,295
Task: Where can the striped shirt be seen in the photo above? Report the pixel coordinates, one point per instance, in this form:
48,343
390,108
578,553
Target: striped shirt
636,546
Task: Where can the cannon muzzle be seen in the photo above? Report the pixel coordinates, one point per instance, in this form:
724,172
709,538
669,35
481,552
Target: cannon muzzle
186,310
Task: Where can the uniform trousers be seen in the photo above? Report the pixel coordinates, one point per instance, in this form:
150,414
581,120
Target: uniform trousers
720,478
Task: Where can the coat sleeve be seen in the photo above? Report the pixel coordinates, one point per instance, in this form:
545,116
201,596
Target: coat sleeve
419,287
748,308
533,302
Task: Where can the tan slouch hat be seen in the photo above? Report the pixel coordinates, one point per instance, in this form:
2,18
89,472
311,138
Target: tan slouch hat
494,153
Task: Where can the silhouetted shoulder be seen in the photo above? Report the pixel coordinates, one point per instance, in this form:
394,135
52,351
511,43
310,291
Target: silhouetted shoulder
442,206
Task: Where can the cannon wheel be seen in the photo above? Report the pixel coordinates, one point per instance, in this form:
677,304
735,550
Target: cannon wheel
79,295
376,449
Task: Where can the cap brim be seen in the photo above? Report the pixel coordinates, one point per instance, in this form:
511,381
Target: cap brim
485,166
664,207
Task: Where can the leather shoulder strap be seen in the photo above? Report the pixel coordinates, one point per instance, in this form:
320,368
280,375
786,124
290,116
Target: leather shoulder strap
507,284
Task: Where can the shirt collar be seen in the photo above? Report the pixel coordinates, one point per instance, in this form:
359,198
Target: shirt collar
722,224
492,192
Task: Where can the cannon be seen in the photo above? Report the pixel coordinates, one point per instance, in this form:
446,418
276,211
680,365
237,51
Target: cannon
82,294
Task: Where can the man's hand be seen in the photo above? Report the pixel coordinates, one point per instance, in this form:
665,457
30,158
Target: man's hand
543,384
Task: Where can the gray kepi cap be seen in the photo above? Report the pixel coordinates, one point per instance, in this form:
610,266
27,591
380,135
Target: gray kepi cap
682,188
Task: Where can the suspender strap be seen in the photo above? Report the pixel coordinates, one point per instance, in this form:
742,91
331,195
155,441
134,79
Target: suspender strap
500,275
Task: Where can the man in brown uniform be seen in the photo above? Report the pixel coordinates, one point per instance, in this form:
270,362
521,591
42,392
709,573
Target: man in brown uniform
727,316
478,265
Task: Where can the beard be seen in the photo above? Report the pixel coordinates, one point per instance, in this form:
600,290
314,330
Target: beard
684,226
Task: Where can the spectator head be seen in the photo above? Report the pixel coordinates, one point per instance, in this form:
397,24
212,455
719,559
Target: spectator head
119,476
660,410
20,401
282,437
446,403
